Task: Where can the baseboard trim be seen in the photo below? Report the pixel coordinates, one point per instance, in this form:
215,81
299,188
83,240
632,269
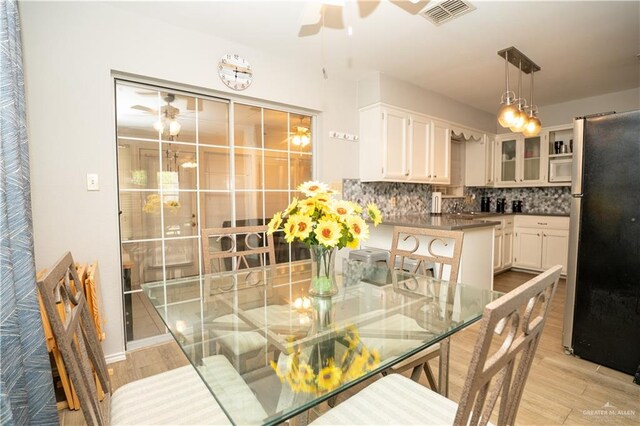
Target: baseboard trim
119,356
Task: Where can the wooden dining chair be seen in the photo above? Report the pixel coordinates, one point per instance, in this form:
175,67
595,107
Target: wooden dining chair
509,334
176,396
429,249
234,248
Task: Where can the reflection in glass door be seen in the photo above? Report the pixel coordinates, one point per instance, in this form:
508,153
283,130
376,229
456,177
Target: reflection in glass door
180,170
508,161
531,170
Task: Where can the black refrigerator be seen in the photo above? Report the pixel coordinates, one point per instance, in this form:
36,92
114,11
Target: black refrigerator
602,310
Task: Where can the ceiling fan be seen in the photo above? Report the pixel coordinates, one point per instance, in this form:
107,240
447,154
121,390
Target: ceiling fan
337,13
168,115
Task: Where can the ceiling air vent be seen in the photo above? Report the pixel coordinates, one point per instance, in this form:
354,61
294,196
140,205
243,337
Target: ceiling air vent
446,11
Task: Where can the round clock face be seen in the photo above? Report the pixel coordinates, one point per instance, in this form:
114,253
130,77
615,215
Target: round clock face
235,72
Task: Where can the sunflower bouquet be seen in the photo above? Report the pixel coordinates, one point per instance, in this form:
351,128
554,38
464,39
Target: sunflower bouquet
300,375
324,224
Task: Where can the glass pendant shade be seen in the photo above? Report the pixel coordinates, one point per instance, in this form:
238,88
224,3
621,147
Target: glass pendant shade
507,115
174,127
533,127
520,122
158,126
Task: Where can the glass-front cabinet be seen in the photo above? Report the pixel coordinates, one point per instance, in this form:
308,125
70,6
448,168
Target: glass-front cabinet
519,160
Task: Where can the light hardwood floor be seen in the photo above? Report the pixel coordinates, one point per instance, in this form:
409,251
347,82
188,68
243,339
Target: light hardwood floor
561,389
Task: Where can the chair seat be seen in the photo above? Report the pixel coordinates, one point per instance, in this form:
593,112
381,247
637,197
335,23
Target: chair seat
231,390
238,343
392,400
171,398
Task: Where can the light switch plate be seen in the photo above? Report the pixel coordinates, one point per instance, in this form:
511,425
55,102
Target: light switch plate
92,182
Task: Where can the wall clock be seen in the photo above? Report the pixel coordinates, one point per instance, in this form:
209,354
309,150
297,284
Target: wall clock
235,72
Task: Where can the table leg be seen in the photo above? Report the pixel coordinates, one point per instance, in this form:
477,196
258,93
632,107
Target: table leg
443,371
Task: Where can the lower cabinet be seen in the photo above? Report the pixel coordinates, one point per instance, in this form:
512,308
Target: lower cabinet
502,243
541,242
507,248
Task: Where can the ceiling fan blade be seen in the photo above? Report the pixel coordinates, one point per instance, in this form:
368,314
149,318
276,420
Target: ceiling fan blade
145,109
366,7
333,16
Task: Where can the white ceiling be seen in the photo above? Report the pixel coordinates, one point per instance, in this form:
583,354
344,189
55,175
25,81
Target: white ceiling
584,48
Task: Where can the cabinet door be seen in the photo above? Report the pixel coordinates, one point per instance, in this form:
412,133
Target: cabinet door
528,248
420,131
497,251
507,248
532,160
440,153
506,160
555,249
394,140
490,163
475,165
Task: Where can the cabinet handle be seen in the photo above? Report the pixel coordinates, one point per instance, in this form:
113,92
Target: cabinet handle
406,174
542,223
544,235
435,176
538,234
429,176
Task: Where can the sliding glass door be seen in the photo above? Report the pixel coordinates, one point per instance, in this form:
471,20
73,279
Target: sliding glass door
187,162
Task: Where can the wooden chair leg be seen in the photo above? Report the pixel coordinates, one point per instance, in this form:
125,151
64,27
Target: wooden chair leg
430,377
415,374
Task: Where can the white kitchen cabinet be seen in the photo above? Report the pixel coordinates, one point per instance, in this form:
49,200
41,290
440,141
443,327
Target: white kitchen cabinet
394,143
497,251
519,161
507,248
401,146
502,242
555,248
479,161
541,242
440,161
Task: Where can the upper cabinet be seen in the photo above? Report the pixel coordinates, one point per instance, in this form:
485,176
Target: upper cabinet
519,161
399,146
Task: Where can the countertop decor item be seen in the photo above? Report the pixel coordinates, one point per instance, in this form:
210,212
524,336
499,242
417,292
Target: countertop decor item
325,225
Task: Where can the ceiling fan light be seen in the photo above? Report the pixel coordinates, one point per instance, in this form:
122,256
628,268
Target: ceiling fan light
304,140
507,114
296,140
174,127
533,126
158,126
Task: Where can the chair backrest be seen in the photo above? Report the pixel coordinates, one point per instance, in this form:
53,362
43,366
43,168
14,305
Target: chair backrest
76,337
426,241
510,326
237,248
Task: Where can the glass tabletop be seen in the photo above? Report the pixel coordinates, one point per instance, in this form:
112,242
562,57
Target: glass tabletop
268,351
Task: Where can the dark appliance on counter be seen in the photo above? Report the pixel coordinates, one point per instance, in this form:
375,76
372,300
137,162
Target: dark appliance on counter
485,204
602,308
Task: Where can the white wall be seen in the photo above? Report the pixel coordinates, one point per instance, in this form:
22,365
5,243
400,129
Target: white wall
563,113
402,94
70,50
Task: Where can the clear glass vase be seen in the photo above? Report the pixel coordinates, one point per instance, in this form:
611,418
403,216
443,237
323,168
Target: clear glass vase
323,273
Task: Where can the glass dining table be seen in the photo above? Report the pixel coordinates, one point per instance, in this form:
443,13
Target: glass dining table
268,351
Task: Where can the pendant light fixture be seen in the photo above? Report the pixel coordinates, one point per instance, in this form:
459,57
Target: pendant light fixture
521,117
508,110
533,126
514,112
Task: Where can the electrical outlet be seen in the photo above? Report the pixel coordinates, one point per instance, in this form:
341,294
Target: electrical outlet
392,201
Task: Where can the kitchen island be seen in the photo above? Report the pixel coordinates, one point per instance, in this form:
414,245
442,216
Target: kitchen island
476,263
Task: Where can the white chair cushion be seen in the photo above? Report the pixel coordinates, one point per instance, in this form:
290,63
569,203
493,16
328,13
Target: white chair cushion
231,390
392,400
238,342
176,397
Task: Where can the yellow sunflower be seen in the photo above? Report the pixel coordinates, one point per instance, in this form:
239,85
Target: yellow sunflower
307,206
353,244
328,233
342,208
372,359
356,208
275,223
313,187
374,214
307,378
292,206
357,227
304,226
329,377
355,369
290,228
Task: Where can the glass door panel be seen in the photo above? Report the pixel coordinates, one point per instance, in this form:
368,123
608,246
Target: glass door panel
215,209
276,129
213,122
532,150
248,164
247,125
508,161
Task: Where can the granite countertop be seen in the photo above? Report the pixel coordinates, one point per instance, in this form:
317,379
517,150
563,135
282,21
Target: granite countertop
446,222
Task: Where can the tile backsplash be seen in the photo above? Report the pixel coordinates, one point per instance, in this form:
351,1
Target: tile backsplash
415,198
